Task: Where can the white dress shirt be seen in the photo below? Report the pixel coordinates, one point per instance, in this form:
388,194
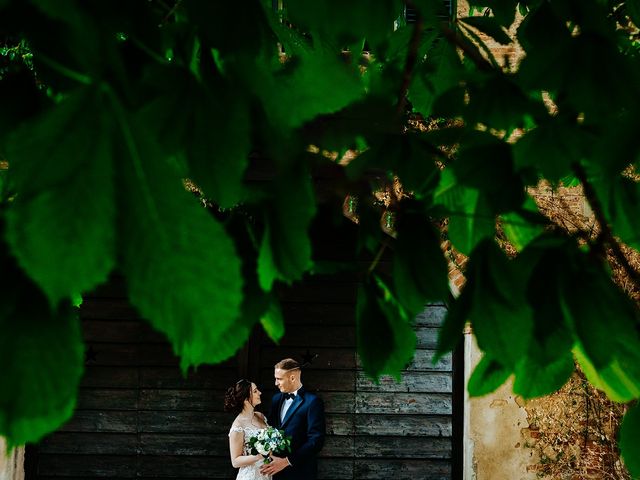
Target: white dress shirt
287,403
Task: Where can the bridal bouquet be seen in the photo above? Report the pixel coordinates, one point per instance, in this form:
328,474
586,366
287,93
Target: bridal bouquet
269,440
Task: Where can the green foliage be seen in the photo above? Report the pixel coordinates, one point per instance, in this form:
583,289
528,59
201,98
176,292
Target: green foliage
106,112
42,351
629,441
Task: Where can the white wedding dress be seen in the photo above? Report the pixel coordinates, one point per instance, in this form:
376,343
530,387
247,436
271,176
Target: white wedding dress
249,472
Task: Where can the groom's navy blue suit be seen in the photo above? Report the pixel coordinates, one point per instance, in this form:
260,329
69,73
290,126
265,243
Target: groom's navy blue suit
304,423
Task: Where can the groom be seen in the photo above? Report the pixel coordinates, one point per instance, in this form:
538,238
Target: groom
301,415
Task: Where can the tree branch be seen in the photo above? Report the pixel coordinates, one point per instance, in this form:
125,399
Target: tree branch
606,235
456,40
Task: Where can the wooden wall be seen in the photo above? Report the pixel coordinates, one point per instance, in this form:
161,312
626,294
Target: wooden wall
138,417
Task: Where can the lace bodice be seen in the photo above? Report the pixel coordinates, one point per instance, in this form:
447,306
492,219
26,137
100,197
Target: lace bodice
250,472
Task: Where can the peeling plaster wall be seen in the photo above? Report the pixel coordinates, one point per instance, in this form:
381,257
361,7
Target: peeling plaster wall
11,465
496,444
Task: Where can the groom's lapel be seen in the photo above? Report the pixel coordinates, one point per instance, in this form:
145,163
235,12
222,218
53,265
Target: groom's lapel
292,409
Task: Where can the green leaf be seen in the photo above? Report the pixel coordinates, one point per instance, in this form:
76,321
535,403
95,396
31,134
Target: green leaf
61,225
536,379
487,377
209,122
630,440
518,229
419,268
178,259
285,251
602,314
620,380
473,223
501,319
489,26
551,148
313,84
344,22
42,356
386,340
273,322
486,163
622,203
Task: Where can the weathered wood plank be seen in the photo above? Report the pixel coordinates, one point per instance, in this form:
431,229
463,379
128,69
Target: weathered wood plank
108,309
316,380
427,337
340,424
431,316
124,331
107,421
184,444
335,469
174,399
384,469
139,355
405,425
327,358
393,403
311,336
166,466
109,377
318,314
184,422
86,466
418,382
206,377
402,447
107,399
89,443
337,446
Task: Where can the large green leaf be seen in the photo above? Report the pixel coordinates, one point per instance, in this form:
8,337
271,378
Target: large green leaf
209,123
501,319
42,354
630,440
487,376
386,340
344,22
315,83
419,267
601,313
622,201
285,252
61,225
520,231
472,223
620,380
178,259
536,379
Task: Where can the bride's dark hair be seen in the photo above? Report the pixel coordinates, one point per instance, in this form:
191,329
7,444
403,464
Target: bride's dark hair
235,396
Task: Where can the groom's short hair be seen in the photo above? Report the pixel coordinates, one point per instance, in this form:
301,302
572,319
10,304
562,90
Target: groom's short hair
287,364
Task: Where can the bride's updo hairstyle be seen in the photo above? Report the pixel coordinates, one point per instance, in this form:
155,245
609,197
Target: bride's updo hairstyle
235,396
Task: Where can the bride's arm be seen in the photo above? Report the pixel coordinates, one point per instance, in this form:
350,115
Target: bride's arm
236,443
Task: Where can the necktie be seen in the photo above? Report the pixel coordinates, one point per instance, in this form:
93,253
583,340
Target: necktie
288,396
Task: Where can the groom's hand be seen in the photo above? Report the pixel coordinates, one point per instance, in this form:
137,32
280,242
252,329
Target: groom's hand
277,464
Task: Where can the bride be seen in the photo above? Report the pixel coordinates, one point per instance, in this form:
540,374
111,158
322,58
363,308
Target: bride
241,399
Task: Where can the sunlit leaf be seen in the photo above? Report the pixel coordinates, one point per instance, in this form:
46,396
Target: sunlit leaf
630,440
487,376
61,225
273,322
536,379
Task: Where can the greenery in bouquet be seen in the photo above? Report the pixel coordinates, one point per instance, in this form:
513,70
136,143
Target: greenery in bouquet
269,440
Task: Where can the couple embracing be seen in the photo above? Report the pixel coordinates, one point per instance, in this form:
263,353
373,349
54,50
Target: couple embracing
298,412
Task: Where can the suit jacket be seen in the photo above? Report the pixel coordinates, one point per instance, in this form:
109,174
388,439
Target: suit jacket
305,424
